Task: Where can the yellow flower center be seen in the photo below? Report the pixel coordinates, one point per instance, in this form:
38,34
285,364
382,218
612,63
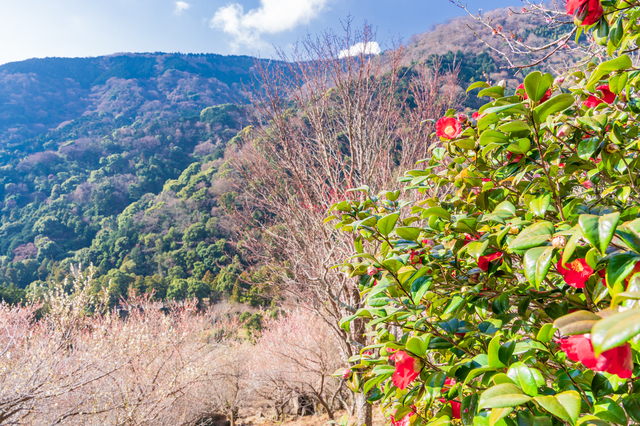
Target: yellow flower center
576,265
450,130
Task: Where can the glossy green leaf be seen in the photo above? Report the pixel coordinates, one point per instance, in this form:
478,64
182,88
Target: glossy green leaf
615,330
570,248
504,395
537,262
532,236
523,378
565,406
579,322
387,223
599,230
468,409
620,63
619,267
536,85
494,353
540,205
609,410
555,104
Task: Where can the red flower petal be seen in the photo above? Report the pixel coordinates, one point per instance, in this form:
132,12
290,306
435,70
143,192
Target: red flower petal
448,128
576,273
407,369
607,96
483,261
614,361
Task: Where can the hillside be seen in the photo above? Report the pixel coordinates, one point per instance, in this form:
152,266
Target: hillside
39,95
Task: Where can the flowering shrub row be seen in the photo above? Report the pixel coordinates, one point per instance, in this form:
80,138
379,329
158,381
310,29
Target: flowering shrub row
509,292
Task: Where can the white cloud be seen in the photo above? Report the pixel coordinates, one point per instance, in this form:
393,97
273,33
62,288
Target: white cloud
370,48
181,6
273,16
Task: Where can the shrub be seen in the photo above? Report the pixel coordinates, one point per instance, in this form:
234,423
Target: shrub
509,293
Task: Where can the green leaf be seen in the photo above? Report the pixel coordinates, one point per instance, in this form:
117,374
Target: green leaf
498,414
383,369
477,84
536,85
599,230
631,404
494,353
553,105
571,244
494,92
615,330
579,322
619,267
514,126
468,409
436,211
540,205
587,147
387,223
416,346
504,395
609,410
523,377
409,233
620,63
565,405
532,236
476,248
546,333
537,262
419,287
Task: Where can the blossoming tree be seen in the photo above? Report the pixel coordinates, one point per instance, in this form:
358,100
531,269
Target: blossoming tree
510,294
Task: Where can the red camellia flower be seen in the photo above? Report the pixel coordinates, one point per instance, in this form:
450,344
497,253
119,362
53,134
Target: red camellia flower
407,369
614,361
544,98
448,128
476,115
483,261
589,11
607,96
575,273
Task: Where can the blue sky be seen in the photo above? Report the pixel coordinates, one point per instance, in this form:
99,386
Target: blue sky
72,28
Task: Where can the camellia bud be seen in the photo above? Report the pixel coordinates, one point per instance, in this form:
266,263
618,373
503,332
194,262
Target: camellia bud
514,230
558,241
502,83
559,80
372,270
462,118
564,131
611,148
347,373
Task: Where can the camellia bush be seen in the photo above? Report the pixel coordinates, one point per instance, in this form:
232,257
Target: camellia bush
505,288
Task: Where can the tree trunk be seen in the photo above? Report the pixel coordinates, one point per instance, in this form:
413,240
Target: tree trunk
232,416
363,408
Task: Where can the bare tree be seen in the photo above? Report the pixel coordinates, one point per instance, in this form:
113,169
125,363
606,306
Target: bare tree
74,365
295,356
332,117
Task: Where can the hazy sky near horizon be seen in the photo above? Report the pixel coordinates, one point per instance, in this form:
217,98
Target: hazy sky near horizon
75,28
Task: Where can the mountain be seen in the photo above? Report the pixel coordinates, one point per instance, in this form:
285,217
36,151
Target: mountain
40,95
